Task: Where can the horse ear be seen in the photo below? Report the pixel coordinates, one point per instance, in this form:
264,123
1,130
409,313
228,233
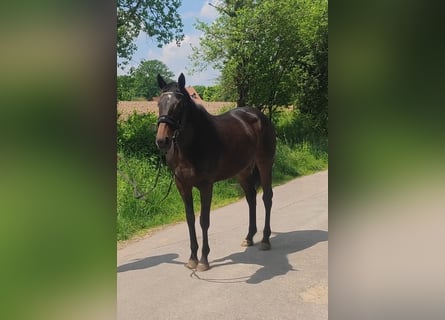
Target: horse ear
181,81
161,82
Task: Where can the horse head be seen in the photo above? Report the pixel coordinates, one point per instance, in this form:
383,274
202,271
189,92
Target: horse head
171,106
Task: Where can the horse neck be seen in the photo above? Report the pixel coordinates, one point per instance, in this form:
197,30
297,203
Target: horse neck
197,124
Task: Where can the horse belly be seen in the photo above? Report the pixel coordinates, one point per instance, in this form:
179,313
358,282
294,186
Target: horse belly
233,163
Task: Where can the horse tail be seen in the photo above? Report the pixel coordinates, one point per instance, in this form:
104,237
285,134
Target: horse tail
256,177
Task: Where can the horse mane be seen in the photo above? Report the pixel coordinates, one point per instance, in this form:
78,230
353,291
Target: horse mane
200,111
197,110
174,87
205,143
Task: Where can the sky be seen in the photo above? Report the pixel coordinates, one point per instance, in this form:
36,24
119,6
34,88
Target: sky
174,57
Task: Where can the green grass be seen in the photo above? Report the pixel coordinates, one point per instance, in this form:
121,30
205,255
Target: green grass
135,214
297,154
298,160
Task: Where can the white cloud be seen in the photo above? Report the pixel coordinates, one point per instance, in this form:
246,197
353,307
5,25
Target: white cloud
207,11
177,60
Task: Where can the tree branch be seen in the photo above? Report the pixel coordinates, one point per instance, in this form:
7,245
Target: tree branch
231,14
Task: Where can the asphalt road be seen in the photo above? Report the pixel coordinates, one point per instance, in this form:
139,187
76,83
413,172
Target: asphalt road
288,282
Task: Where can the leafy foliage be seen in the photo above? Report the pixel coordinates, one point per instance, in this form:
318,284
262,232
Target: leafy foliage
311,74
215,93
212,93
136,135
157,18
145,83
125,88
141,82
270,53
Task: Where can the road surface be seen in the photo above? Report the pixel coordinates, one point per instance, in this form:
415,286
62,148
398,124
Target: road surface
288,282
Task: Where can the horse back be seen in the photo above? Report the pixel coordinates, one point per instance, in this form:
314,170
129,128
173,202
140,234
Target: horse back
247,136
248,124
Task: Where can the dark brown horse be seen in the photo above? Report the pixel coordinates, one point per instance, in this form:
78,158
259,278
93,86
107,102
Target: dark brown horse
202,149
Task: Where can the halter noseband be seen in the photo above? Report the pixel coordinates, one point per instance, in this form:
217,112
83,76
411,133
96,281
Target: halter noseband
172,122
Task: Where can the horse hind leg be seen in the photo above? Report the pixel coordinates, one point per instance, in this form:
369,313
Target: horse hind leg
266,183
247,180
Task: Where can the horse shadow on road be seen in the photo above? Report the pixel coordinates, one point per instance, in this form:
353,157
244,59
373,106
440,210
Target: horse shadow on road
149,262
273,262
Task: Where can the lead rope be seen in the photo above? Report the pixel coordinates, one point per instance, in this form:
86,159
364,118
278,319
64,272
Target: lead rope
169,187
137,193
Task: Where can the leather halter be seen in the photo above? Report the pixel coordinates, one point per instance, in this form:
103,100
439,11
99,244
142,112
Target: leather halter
172,122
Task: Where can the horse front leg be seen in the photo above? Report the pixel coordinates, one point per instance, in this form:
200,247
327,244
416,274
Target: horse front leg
204,220
186,194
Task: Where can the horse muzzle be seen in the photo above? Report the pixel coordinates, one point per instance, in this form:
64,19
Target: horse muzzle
164,143
167,126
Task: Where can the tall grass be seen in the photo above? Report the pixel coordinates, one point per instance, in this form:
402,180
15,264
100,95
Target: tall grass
299,152
137,175
297,160
300,149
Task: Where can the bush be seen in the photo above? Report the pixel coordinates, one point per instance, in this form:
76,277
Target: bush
301,149
293,128
298,160
136,136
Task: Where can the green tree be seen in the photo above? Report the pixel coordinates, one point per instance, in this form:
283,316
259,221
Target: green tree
145,82
125,88
215,93
141,81
270,53
311,74
157,18
219,47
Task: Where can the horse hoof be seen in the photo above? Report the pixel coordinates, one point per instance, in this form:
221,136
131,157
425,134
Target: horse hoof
191,264
264,246
247,243
203,267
